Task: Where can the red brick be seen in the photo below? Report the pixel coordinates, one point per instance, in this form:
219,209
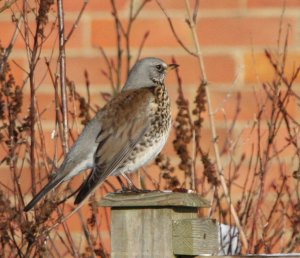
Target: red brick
227,104
7,31
103,33
16,71
212,31
243,146
94,5
259,69
75,70
207,4
249,137
52,146
242,31
45,104
167,5
41,73
94,65
216,4
77,39
105,5
206,141
273,176
46,107
24,177
187,74
219,69
272,3
6,177
280,142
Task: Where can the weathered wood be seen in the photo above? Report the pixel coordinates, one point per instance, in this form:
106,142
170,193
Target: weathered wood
249,256
145,232
195,236
153,199
142,223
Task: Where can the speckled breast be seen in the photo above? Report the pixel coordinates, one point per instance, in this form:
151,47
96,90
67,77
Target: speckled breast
155,138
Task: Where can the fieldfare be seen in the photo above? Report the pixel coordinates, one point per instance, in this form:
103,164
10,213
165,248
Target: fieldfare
127,133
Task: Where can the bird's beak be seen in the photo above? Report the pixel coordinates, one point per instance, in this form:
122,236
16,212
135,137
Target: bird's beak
172,66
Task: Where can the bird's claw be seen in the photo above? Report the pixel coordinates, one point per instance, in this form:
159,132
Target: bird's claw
133,189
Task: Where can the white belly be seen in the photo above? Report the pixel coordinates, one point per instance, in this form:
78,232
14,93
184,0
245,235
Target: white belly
144,157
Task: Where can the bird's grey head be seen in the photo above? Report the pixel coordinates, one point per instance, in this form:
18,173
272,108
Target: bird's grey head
147,72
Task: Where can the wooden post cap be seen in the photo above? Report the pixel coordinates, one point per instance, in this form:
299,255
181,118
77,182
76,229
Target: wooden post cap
154,199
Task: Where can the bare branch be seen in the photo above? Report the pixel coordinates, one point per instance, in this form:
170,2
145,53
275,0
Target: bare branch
62,72
7,5
212,125
75,25
11,44
174,31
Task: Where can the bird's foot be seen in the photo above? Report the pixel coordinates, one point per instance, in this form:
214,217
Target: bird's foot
138,190
133,189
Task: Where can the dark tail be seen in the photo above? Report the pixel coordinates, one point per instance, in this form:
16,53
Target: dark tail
94,179
52,184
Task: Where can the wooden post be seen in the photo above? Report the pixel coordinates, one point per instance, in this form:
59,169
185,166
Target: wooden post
148,225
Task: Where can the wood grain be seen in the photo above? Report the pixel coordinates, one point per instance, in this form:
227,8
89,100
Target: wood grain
152,199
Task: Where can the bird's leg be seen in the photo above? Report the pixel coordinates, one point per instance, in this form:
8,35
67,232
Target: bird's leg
132,187
130,183
124,187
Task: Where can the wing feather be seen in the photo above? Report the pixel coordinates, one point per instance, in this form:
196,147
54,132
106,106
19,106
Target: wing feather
119,136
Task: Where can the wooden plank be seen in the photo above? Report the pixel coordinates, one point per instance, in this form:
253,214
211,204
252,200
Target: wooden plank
249,256
195,236
145,232
142,222
154,199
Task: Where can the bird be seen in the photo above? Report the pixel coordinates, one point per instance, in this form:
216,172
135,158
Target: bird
124,135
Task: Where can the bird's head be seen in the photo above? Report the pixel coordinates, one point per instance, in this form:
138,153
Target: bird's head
147,72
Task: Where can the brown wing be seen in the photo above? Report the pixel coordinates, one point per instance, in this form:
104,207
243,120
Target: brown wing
125,120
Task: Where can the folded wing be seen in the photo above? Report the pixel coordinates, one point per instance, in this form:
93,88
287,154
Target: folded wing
123,130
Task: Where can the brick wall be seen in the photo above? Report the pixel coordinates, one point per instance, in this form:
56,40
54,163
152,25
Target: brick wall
233,35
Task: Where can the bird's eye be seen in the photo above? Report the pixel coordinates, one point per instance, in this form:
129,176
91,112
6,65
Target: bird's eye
159,68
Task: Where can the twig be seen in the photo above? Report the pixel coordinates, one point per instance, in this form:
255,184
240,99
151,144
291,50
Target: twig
75,25
212,124
62,72
42,137
108,75
87,233
132,18
11,44
7,5
174,31
57,100
142,45
32,65
119,29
